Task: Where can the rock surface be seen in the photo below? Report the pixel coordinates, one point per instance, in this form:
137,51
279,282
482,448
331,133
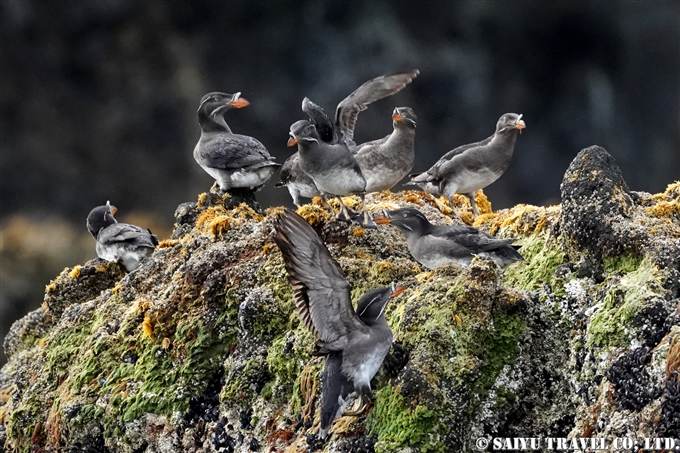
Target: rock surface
200,349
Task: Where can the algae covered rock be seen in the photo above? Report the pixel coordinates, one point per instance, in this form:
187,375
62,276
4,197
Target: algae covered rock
200,349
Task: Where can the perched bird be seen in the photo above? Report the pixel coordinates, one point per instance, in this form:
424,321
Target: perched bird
332,167
326,156
386,161
436,245
235,161
120,242
355,342
296,180
469,168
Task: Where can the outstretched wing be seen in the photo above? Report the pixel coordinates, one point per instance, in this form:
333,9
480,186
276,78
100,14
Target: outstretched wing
371,91
233,151
321,121
320,290
124,233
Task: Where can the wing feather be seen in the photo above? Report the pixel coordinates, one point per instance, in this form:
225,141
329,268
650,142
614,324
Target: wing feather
320,290
348,110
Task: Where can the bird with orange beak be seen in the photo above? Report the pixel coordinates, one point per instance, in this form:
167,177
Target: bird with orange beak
235,161
355,342
469,168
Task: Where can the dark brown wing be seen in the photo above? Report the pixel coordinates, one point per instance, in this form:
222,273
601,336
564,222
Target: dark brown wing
233,151
371,91
321,292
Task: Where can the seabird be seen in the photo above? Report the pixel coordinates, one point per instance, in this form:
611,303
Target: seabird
469,168
437,245
120,242
355,342
234,160
327,155
386,161
296,181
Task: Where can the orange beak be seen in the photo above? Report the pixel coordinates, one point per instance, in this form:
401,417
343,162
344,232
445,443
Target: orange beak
382,219
293,141
239,103
398,290
397,117
113,210
520,125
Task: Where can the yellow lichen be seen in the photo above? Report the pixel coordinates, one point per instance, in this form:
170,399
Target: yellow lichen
147,327
75,272
202,198
42,342
141,306
267,247
167,243
166,343
314,214
358,231
116,289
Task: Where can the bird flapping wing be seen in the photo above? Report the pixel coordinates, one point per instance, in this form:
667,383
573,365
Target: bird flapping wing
321,121
233,151
371,91
127,234
321,292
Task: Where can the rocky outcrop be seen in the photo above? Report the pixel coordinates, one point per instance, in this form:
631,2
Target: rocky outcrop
200,349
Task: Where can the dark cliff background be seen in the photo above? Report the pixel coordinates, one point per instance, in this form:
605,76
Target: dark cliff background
98,99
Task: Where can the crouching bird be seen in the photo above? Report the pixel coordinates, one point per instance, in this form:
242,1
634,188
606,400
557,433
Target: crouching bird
120,242
437,245
355,343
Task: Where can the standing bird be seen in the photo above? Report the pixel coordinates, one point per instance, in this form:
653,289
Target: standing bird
386,161
296,180
334,141
468,168
120,242
235,161
436,245
355,342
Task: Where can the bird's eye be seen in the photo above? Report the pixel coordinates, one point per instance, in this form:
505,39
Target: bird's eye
405,215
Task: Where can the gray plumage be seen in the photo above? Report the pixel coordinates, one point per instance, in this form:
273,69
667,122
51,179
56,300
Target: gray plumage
233,160
347,111
121,242
386,161
324,304
469,168
437,245
296,181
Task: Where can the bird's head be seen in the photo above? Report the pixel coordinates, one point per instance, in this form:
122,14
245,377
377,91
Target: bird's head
404,115
100,217
408,220
302,130
510,122
213,107
372,305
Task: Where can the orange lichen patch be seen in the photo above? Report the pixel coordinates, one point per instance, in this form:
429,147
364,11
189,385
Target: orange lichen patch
100,268
385,266
75,272
202,198
482,202
457,320
42,342
167,243
147,327
141,306
116,289
245,212
267,247
216,219
358,231
274,211
664,209
314,214
520,220
166,343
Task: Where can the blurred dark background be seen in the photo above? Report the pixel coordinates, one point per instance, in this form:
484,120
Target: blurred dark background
98,99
